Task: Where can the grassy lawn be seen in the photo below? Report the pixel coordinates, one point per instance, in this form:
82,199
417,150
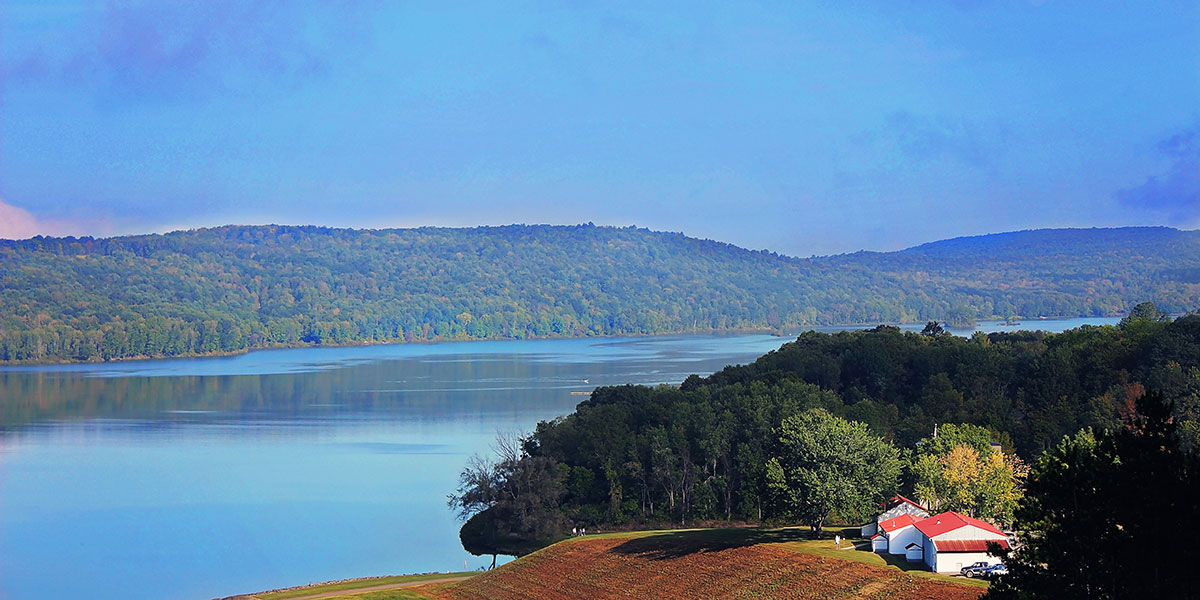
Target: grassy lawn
400,594
863,554
350,586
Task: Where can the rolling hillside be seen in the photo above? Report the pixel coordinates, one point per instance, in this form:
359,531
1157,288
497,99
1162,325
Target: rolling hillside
703,564
234,288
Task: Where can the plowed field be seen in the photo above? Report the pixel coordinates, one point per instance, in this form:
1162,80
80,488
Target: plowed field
667,567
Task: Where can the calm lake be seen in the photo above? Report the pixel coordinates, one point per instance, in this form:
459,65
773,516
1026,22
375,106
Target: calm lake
201,478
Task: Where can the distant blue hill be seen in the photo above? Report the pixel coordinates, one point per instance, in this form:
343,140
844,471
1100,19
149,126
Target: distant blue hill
1043,242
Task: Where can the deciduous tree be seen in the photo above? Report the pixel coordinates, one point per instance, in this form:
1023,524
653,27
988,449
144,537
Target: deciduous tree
959,470
826,465
510,505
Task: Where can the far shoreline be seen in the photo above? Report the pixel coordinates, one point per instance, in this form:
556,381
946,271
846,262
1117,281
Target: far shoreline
773,331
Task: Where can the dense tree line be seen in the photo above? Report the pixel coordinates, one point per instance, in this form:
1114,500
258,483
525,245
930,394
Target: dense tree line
1102,515
234,288
735,445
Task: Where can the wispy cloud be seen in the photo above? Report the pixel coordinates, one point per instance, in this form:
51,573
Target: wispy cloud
131,52
921,138
17,223
930,137
1174,194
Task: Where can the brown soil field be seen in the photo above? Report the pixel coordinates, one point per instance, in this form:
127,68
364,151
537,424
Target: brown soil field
667,567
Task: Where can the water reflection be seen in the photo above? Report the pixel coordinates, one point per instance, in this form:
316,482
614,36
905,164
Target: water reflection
209,477
430,381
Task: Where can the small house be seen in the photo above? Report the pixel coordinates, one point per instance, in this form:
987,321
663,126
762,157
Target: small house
913,553
900,532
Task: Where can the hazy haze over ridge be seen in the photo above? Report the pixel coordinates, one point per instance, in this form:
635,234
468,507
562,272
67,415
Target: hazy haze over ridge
800,130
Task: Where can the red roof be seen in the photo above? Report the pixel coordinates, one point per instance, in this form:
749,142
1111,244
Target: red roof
895,523
898,500
966,545
949,521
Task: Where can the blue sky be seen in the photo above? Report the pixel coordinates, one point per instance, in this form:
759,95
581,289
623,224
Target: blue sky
804,128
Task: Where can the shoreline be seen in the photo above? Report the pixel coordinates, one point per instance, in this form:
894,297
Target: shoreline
775,331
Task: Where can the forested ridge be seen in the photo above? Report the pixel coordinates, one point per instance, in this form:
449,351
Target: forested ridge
229,289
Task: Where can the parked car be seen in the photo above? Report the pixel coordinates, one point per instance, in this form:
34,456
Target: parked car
995,570
975,569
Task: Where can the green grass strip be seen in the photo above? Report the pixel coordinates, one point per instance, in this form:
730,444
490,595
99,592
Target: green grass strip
356,584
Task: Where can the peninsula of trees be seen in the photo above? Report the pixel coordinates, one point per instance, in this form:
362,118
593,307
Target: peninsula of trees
230,289
1101,423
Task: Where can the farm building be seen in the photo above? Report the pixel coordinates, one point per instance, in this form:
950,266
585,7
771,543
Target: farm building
894,507
899,532
951,541
945,542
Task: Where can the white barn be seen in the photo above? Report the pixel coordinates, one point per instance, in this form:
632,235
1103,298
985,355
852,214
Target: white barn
950,541
894,507
900,532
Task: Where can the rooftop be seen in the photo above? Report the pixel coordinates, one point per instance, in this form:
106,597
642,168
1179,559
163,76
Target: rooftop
898,500
949,521
899,522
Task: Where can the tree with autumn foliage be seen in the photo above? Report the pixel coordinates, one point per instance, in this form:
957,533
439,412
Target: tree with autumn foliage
959,470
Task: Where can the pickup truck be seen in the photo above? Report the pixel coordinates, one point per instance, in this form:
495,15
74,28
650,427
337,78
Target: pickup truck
995,571
976,569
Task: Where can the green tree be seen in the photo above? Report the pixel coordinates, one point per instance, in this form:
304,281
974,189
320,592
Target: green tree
1146,311
951,435
933,329
1101,511
511,506
826,465
939,397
